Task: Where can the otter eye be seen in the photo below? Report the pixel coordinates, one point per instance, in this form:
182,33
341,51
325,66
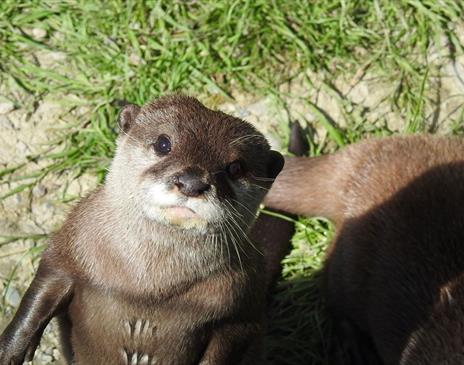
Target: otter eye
235,170
162,145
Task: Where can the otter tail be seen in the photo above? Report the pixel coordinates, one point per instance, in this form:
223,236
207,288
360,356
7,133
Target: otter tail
308,186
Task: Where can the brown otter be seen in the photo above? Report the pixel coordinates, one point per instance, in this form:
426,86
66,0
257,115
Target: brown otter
273,232
156,266
395,272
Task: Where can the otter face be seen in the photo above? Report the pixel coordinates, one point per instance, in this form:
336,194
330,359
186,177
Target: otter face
184,165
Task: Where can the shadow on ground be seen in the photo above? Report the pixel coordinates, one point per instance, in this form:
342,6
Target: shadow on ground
298,327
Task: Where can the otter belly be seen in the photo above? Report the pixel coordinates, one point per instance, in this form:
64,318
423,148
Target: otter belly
106,329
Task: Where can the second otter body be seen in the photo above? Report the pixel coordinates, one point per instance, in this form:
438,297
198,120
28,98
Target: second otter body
395,272
156,266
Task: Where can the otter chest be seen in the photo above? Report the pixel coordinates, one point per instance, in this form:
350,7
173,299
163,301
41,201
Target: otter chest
107,330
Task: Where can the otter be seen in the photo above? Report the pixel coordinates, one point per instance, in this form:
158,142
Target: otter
394,275
273,232
156,266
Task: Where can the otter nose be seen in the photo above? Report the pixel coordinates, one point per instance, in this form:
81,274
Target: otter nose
191,185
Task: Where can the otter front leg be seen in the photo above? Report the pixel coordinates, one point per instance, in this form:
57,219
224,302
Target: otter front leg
234,343
49,292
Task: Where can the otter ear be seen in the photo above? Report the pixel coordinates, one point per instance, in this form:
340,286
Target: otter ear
298,143
275,164
127,116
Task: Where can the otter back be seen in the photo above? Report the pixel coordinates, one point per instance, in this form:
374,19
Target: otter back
394,274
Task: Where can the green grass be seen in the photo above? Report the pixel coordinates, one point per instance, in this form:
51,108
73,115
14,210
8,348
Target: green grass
137,50
299,332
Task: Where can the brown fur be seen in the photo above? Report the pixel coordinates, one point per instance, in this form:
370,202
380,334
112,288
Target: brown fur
394,275
129,289
273,232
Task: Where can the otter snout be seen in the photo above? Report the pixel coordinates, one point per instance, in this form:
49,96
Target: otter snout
190,184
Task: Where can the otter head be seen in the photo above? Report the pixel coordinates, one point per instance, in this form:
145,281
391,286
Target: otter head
181,164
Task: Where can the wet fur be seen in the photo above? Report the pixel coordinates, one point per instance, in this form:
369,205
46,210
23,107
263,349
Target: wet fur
394,273
131,290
